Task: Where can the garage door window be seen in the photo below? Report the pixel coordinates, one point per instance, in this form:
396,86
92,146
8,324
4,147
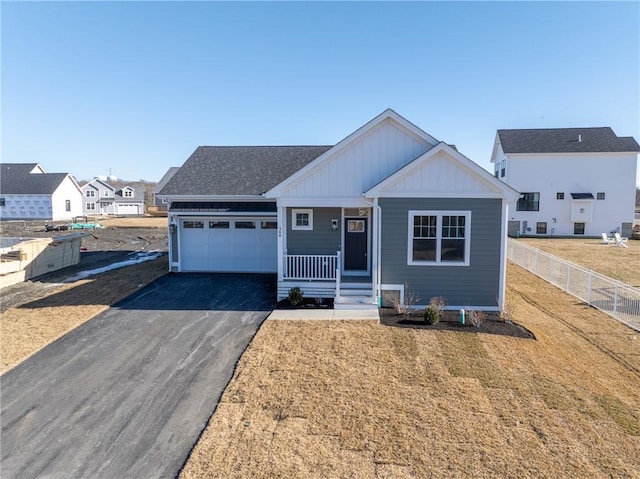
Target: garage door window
219,224
193,224
245,225
269,225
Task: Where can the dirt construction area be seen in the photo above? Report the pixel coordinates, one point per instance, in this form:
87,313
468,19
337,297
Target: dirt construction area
357,399
70,303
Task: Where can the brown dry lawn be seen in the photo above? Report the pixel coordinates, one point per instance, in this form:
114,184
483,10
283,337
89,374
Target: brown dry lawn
619,263
356,399
30,327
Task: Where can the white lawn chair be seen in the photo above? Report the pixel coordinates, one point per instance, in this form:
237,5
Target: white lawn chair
607,240
621,240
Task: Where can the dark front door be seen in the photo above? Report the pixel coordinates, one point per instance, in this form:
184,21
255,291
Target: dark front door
355,244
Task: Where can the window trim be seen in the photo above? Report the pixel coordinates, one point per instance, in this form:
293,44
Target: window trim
439,214
295,212
533,202
539,226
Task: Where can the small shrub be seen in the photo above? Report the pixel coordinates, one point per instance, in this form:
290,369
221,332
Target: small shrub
410,300
431,315
438,303
476,317
509,311
295,295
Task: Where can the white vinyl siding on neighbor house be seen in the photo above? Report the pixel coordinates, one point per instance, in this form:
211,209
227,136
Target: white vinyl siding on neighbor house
439,238
556,176
68,191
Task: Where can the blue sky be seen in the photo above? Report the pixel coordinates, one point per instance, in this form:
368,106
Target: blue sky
134,87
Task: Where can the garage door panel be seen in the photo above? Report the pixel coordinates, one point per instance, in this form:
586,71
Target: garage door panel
228,245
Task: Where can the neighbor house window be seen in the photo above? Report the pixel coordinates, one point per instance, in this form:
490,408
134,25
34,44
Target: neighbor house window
541,228
302,219
91,206
439,238
529,202
559,196
193,224
128,193
503,168
90,193
578,228
600,196
67,205
2,202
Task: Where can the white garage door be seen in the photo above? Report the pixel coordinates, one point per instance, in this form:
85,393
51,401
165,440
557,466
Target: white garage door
229,245
128,209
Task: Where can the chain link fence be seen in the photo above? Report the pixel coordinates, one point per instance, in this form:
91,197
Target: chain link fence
615,298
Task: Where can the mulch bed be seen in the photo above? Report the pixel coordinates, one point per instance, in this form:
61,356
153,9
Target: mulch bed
307,303
450,321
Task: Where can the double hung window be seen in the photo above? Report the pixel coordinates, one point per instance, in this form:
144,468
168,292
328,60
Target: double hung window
439,238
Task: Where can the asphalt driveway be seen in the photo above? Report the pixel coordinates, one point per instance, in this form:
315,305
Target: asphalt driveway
127,394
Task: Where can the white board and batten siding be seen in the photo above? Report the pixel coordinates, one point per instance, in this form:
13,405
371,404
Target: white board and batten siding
355,166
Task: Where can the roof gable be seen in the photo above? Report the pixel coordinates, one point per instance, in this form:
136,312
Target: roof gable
378,148
442,172
98,183
565,140
238,170
29,179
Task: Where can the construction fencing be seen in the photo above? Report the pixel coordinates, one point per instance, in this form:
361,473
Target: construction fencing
613,297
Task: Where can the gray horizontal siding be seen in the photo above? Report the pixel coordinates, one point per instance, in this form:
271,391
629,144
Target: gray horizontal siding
474,285
320,240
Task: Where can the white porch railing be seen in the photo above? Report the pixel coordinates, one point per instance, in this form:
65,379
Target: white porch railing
311,266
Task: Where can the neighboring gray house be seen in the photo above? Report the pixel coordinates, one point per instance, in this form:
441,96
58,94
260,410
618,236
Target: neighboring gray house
100,198
27,192
129,201
159,202
387,206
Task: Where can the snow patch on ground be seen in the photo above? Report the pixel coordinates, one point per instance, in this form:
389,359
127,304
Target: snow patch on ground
138,257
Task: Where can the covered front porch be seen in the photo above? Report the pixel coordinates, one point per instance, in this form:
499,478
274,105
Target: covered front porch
327,251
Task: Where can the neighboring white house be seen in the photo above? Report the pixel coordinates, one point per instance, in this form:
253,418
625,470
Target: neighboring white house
573,181
100,198
28,192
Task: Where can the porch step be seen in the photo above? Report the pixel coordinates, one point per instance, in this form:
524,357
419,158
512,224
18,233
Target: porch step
355,296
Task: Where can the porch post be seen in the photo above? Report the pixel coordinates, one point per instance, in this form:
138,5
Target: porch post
282,238
375,245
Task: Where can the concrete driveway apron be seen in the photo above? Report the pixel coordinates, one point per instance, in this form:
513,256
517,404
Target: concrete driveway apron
127,394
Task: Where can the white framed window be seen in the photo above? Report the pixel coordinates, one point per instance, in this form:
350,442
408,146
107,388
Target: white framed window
127,193
440,238
90,193
302,219
91,206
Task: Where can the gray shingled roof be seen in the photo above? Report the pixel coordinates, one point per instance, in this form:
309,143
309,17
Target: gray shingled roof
239,170
565,140
15,179
165,179
138,195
